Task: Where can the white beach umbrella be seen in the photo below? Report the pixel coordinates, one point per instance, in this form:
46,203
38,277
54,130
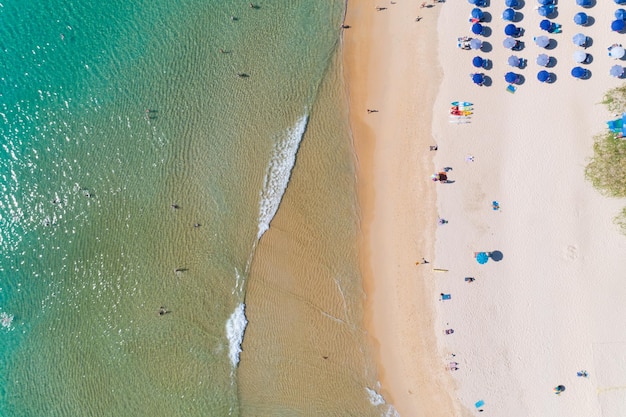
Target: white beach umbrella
616,51
580,56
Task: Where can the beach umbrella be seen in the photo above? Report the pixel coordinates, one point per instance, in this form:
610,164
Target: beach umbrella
543,76
508,14
511,3
620,14
545,10
578,72
616,71
545,2
477,13
478,78
476,43
482,258
620,1
546,25
511,77
510,30
579,39
580,57
583,3
618,25
478,62
513,61
616,52
509,43
542,41
543,60
580,18
477,28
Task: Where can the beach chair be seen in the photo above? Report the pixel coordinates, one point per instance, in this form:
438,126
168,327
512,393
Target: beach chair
511,88
495,205
446,296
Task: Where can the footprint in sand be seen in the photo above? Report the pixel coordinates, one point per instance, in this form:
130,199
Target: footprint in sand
571,253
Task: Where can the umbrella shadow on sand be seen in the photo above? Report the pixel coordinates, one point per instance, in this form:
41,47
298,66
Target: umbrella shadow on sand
496,256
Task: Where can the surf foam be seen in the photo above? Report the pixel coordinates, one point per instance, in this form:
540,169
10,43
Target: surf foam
235,328
278,173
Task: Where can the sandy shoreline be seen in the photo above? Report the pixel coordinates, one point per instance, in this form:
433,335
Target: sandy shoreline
390,67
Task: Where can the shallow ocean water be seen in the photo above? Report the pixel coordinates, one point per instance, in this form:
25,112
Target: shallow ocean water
111,114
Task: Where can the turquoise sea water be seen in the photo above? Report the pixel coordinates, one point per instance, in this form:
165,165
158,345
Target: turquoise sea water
111,113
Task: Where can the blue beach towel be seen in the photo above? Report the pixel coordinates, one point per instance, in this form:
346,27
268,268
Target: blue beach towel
479,404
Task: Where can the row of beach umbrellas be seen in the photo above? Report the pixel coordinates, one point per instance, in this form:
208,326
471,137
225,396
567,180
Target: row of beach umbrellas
547,7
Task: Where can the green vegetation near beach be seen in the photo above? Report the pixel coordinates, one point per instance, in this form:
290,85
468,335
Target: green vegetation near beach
607,168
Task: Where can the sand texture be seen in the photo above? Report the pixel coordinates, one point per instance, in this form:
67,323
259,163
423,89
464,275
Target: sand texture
554,303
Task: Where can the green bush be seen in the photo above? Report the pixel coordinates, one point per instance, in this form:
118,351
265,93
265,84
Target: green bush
615,99
620,220
607,168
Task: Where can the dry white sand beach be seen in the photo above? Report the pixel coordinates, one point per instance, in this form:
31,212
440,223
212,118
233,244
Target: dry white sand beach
553,305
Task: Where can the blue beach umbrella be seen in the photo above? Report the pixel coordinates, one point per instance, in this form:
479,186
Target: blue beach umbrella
583,3
620,14
542,41
482,258
478,62
579,39
545,2
545,10
511,30
578,72
543,60
618,25
580,18
616,71
514,61
546,25
508,14
476,43
477,28
478,78
543,76
477,13
511,3
511,77
509,43
620,1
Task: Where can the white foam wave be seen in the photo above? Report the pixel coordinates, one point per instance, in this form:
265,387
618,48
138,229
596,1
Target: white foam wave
278,173
374,397
6,320
235,328
377,400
